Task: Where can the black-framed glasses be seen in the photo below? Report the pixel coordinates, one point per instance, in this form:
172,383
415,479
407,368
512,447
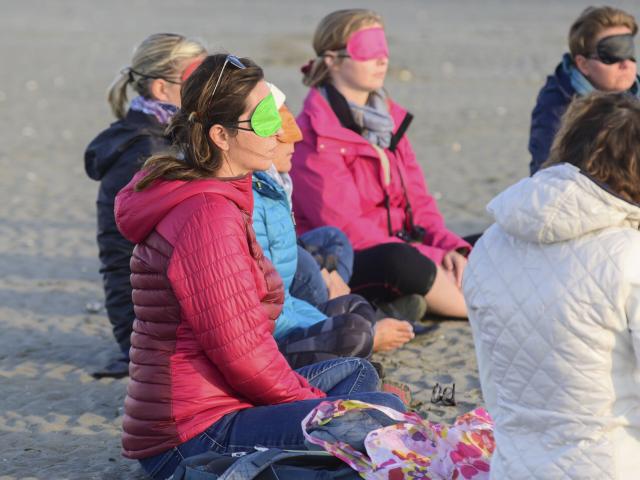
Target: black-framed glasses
233,60
154,77
444,395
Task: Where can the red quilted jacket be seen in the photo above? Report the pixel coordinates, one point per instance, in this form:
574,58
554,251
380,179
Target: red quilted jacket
206,300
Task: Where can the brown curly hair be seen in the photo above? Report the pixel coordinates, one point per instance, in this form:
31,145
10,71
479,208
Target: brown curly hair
600,134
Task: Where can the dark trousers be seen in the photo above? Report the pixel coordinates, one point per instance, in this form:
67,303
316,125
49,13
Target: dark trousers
391,270
347,332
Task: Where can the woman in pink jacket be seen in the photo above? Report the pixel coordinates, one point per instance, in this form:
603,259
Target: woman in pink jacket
356,170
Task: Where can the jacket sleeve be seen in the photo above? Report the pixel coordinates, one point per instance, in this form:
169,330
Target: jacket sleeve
438,239
213,276
326,194
545,122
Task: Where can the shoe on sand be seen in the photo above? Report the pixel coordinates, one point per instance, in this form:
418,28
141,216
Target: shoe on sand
117,368
411,308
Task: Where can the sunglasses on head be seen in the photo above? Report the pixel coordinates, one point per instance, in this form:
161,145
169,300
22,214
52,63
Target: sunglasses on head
614,49
265,120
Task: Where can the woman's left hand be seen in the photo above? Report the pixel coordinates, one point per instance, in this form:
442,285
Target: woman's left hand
455,263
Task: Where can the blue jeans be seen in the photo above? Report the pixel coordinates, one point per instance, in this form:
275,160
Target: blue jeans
323,247
278,426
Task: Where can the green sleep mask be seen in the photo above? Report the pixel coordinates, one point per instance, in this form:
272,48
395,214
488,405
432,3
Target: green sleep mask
265,120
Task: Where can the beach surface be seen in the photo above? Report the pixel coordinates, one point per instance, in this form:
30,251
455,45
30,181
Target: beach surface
469,71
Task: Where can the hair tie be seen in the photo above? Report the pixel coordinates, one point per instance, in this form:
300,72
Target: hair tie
306,69
193,117
129,73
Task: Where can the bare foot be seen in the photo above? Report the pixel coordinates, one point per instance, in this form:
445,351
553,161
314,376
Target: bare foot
391,334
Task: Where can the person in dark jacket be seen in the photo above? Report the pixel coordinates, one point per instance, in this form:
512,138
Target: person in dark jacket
601,58
159,65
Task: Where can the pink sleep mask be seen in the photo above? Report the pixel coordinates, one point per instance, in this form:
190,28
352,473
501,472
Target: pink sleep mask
368,44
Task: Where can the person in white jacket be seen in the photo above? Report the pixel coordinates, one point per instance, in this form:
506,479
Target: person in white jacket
553,292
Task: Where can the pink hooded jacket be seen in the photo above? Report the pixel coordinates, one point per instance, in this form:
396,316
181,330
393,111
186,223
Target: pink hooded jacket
339,181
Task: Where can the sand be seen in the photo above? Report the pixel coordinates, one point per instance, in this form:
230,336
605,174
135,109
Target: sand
469,71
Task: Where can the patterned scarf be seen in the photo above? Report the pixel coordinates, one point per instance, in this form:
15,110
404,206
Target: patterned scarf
374,119
162,111
282,179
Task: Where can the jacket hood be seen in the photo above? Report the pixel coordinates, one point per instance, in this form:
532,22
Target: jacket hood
560,203
108,146
138,213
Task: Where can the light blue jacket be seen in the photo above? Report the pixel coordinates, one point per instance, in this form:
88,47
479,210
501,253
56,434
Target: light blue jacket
273,224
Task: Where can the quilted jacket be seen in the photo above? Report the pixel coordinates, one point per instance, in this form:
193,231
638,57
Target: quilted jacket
205,300
553,292
339,181
276,234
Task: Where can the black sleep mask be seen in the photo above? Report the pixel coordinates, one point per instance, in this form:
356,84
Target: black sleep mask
614,49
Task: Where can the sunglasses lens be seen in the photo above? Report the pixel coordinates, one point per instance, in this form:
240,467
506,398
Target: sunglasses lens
235,61
266,120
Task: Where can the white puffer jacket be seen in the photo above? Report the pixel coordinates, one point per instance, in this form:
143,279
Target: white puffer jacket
553,291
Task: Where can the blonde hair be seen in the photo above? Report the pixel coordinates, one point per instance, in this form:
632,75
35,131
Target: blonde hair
591,22
332,33
158,56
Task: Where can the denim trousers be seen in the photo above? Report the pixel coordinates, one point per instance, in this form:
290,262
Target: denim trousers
278,426
323,247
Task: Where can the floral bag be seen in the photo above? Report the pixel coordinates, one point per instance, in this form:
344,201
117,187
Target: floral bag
412,448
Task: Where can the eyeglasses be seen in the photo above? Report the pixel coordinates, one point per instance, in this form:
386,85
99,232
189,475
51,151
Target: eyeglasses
131,72
446,395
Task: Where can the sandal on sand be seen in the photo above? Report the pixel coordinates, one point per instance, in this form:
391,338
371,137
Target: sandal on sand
399,389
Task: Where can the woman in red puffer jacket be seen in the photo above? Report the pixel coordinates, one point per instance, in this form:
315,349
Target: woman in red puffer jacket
206,373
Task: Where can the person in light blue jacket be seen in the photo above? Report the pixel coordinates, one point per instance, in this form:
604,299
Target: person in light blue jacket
343,326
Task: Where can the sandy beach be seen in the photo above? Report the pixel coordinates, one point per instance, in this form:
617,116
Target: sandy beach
469,72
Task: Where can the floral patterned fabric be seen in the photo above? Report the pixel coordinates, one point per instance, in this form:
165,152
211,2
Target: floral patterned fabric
413,448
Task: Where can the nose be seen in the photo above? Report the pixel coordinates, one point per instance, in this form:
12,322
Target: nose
627,63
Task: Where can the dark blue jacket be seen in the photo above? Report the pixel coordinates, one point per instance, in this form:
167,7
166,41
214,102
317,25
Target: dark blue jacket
552,102
113,157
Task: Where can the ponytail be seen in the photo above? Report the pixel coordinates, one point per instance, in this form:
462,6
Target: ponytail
117,94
